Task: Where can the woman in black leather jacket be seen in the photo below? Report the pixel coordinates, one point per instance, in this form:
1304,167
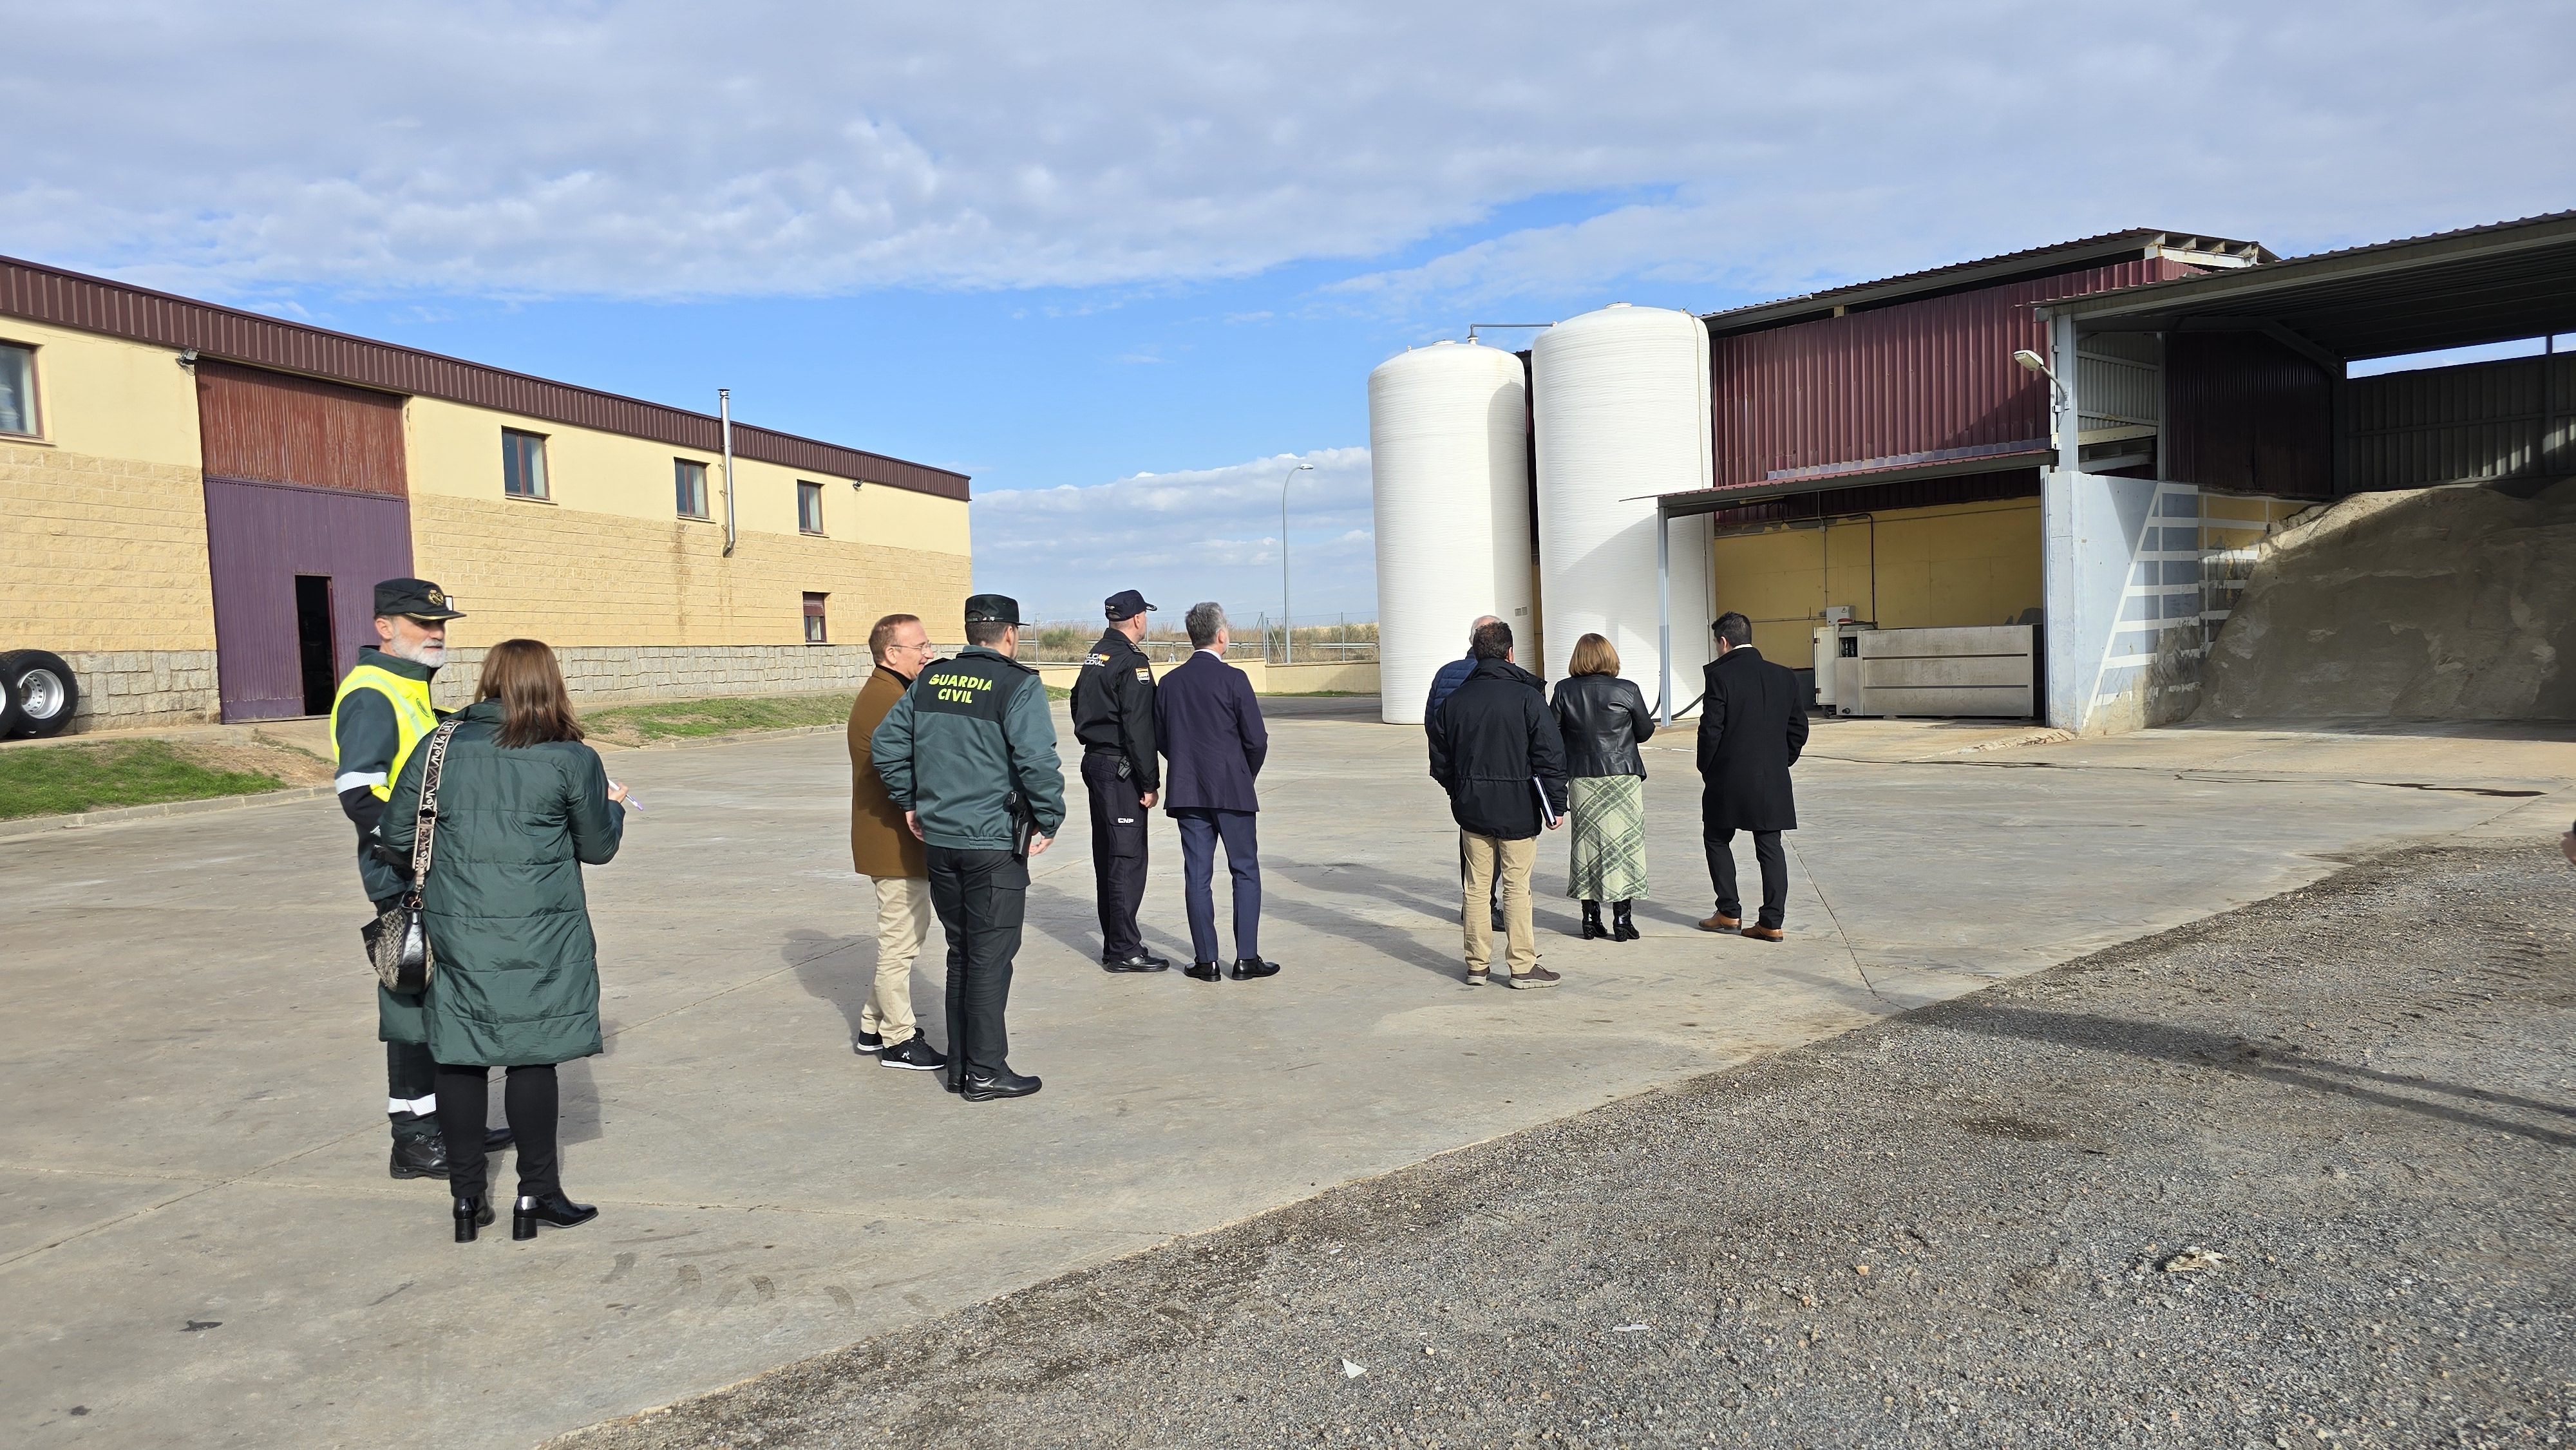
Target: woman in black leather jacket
1602,718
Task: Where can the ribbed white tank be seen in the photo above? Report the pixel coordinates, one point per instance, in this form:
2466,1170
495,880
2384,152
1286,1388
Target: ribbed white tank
1622,415
1449,468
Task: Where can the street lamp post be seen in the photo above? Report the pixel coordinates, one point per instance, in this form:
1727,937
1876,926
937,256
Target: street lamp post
1287,616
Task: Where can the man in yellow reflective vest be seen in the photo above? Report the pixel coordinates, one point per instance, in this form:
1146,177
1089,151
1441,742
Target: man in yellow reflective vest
381,712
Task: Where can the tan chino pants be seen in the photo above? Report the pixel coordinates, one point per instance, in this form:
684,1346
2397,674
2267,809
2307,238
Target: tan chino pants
904,919
1485,854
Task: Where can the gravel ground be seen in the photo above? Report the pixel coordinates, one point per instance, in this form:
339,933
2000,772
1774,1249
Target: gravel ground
2295,1175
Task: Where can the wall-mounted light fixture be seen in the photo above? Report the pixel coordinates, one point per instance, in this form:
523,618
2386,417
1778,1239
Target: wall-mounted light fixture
187,357
2032,362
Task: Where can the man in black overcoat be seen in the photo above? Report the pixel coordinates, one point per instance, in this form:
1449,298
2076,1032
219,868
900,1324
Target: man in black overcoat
1752,724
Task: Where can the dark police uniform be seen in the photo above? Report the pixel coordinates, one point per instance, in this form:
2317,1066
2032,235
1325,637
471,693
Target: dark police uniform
1113,717
970,751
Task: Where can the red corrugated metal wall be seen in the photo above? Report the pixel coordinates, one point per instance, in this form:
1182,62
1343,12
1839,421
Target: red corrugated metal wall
2244,413
279,428
1914,377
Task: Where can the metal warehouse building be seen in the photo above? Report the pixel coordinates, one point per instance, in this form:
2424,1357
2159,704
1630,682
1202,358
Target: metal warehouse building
1878,449
200,499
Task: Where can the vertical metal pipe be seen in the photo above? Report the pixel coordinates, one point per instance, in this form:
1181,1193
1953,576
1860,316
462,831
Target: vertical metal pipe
1663,617
724,425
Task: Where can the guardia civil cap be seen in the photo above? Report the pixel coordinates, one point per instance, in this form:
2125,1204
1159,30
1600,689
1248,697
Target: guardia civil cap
1125,604
992,609
414,599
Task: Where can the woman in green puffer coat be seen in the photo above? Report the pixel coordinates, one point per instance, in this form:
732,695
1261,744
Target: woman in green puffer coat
522,806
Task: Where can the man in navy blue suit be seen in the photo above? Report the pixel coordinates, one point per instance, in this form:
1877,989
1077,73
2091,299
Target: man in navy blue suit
1208,727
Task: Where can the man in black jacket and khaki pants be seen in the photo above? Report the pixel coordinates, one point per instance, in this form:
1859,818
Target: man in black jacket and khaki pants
1752,725
1496,750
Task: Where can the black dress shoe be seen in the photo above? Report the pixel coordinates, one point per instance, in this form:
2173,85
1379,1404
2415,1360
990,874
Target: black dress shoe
1248,968
472,1214
1004,1084
496,1139
1204,971
1141,962
553,1209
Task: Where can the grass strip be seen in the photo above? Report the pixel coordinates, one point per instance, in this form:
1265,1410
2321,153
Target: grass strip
58,780
688,719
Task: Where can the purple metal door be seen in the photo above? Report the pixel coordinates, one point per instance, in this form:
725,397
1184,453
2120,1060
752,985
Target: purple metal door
259,536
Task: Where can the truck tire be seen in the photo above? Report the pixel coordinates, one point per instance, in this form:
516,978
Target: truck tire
42,692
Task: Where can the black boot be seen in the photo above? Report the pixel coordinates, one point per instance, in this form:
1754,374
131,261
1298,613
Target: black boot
1623,927
1592,920
419,1150
552,1208
471,1214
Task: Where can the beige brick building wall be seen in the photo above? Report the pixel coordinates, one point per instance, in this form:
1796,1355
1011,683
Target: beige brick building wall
575,578
103,555
104,544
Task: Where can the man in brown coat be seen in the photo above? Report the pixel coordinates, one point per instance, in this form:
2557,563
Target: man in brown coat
884,849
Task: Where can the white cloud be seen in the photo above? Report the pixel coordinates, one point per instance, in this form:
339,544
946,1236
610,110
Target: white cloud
654,148
1209,533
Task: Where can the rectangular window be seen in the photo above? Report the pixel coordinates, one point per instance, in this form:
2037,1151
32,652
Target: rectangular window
17,389
815,633
691,478
523,464
809,507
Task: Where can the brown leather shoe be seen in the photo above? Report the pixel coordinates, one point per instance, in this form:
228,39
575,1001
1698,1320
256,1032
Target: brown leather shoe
1721,922
1764,933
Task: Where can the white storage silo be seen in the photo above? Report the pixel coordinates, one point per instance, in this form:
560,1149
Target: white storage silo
1449,468
1622,415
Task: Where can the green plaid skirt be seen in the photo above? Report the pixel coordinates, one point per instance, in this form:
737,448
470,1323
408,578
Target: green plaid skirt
1609,826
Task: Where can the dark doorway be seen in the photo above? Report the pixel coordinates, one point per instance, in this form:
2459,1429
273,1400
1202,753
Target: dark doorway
313,641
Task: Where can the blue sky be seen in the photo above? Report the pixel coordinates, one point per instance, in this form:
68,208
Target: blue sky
1128,264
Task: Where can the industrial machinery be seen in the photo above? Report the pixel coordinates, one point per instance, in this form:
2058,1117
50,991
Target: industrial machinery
1838,660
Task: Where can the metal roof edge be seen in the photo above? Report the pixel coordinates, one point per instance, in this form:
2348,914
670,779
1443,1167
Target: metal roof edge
191,315
2000,268
2490,238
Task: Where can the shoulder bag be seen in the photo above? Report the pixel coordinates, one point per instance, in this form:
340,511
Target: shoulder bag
398,940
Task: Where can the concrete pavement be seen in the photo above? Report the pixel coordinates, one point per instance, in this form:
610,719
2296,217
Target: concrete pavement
200,1244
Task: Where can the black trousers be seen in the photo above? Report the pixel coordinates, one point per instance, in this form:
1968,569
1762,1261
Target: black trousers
1117,853
1201,828
1767,853
529,1100
409,1073
982,898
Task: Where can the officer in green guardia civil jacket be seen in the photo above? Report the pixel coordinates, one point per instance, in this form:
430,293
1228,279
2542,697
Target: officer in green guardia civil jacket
380,714
968,755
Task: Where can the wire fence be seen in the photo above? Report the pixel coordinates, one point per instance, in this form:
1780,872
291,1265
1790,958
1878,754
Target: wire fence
1065,642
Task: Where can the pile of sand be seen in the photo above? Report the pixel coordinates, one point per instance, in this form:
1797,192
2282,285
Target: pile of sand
2451,603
